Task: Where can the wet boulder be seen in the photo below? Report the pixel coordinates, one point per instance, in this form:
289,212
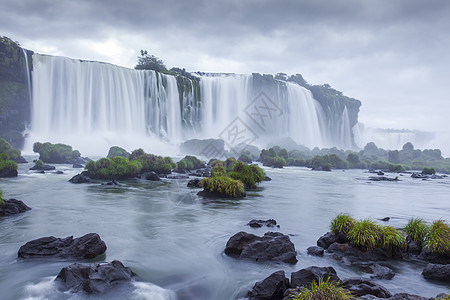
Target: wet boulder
305,277
260,223
12,207
437,272
83,177
361,287
271,288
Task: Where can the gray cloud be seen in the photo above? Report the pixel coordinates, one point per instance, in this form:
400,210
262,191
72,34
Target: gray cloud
393,55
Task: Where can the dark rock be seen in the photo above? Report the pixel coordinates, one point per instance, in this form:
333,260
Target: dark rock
58,172
305,277
273,246
380,173
203,172
111,183
405,296
383,178
260,223
348,250
152,176
180,171
271,288
77,166
378,271
315,250
429,256
326,240
194,183
85,247
206,194
12,207
177,177
44,167
419,175
267,178
413,247
81,178
360,287
441,296
5,173
20,160
94,278
437,272
385,219
79,160
434,176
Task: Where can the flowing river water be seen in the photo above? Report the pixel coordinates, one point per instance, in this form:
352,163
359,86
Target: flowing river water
174,240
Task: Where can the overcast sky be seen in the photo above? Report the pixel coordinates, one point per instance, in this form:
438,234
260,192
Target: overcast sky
392,55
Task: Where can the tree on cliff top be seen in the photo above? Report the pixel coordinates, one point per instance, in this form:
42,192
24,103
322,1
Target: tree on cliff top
150,62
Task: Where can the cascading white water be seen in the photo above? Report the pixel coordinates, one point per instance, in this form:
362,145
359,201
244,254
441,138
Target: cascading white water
345,134
93,105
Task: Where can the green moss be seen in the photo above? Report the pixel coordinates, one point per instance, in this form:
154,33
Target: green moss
1,198
116,167
117,151
428,171
55,153
8,151
39,164
218,171
438,238
190,163
223,185
216,162
230,163
342,224
417,230
275,162
8,165
365,234
323,289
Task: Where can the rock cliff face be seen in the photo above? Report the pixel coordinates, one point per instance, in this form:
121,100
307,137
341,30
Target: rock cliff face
14,91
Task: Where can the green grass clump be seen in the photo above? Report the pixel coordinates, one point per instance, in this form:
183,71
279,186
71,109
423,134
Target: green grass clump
189,163
8,165
218,171
151,162
1,198
342,224
323,289
428,171
391,238
223,185
8,151
417,230
248,175
438,238
216,162
116,167
365,234
55,153
275,162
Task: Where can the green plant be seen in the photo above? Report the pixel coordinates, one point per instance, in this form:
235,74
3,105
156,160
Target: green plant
438,238
342,224
230,162
276,162
365,234
151,162
169,161
116,167
223,185
39,163
391,238
189,163
428,171
323,290
8,165
327,167
417,230
8,151
216,162
1,198
245,158
55,153
248,175
218,171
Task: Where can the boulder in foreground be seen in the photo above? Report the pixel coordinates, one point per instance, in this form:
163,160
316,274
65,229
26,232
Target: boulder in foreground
12,207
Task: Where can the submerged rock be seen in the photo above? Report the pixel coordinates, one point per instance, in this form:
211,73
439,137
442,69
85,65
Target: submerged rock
43,167
111,183
12,207
173,176
77,166
437,272
194,183
85,247
315,250
94,278
260,223
383,178
378,271
273,246
305,277
271,288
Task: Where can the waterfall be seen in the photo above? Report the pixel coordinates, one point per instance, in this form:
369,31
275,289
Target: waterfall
94,105
27,72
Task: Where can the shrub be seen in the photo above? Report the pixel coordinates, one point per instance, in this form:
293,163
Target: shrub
117,151
438,238
230,163
39,164
55,153
417,230
428,171
365,234
391,238
342,224
169,161
8,151
8,165
116,167
396,168
151,162
216,162
182,165
326,167
320,290
275,162
223,185
218,171
245,158
190,162
248,175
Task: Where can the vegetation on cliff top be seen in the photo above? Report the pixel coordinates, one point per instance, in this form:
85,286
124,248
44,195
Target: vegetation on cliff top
55,153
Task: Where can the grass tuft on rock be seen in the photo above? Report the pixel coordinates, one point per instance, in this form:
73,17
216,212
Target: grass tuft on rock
417,230
391,238
223,185
323,289
365,234
116,167
438,238
342,224
1,198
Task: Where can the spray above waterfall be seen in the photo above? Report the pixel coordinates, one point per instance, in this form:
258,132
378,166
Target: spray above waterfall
93,105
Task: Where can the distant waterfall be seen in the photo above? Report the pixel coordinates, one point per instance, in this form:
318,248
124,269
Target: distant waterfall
93,105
